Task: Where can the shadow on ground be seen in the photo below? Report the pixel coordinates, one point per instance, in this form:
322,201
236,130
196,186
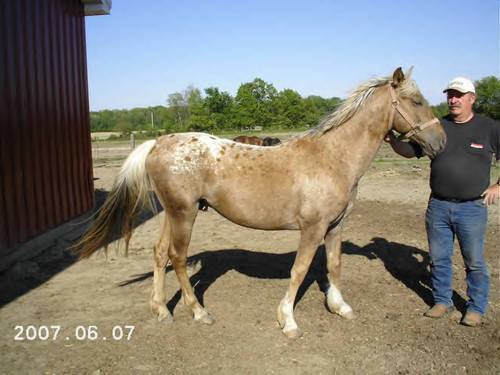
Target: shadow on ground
29,274
405,263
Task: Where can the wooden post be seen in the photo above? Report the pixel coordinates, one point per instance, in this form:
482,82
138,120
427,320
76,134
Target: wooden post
132,141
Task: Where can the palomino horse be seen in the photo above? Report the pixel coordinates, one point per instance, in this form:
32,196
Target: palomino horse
307,183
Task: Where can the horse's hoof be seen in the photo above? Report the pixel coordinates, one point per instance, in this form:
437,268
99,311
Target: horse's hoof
161,312
293,333
166,318
164,315
280,319
349,315
205,318
345,311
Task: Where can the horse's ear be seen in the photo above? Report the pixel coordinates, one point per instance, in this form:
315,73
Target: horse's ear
398,77
409,72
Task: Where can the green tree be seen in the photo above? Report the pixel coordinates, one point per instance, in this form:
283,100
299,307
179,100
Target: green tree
220,107
488,97
178,105
199,119
217,102
96,123
103,120
290,110
179,109
138,117
440,110
317,107
124,127
254,104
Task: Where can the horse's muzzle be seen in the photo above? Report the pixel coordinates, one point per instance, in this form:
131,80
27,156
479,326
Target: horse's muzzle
432,147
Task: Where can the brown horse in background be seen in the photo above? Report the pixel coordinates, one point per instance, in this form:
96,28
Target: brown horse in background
270,141
308,184
253,140
249,140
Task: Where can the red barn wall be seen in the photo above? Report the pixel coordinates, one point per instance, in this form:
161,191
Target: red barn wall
45,150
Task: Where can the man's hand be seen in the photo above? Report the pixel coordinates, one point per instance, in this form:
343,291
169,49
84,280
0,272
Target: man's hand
390,137
401,148
491,195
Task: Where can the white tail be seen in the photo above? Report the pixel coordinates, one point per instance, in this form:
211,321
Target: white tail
129,194
133,175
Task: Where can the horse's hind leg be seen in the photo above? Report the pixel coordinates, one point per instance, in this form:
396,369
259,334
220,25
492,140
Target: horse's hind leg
335,302
128,236
182,224
158,298
309,242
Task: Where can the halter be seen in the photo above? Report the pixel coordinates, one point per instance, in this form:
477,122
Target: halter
415,128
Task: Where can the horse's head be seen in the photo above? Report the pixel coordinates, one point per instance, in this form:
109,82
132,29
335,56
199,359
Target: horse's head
412,117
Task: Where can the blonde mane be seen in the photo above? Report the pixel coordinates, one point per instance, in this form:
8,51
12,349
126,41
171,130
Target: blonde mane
355,101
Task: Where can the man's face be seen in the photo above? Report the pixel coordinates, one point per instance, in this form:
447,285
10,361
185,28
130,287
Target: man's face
460,104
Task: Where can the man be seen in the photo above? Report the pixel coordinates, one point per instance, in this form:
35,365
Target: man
461,191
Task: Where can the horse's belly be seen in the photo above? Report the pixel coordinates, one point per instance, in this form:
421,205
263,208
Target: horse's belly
259,210
259,220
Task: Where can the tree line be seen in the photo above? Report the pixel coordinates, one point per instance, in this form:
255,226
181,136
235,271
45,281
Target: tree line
257,105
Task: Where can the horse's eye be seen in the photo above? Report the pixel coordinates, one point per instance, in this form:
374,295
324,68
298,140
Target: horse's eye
417,102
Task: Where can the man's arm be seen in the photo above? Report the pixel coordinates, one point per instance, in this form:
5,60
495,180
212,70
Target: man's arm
492,194
402,148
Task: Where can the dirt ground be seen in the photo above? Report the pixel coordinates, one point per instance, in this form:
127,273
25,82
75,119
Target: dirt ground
241,275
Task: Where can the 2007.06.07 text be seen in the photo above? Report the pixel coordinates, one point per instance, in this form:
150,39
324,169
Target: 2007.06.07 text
79,333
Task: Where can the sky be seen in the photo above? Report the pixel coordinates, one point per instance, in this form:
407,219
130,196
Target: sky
144,51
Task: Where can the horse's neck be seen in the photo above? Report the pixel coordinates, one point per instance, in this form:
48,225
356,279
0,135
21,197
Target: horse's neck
360,137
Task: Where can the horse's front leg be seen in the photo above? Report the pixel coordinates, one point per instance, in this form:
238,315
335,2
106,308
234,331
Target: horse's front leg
309,242
335,302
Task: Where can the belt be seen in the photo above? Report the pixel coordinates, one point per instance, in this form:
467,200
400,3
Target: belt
454,200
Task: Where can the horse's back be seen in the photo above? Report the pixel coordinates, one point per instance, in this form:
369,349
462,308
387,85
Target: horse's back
188,155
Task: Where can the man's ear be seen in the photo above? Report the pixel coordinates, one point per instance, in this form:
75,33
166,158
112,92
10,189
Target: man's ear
397,77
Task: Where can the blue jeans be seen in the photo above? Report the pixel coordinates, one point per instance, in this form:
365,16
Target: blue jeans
466,220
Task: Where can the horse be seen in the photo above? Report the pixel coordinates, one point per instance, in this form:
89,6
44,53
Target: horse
270,141
307,183
253,140
249,139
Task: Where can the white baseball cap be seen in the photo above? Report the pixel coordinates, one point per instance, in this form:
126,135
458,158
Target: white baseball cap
461,84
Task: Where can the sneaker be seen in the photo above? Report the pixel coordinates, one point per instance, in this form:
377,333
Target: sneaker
438,311
471,319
